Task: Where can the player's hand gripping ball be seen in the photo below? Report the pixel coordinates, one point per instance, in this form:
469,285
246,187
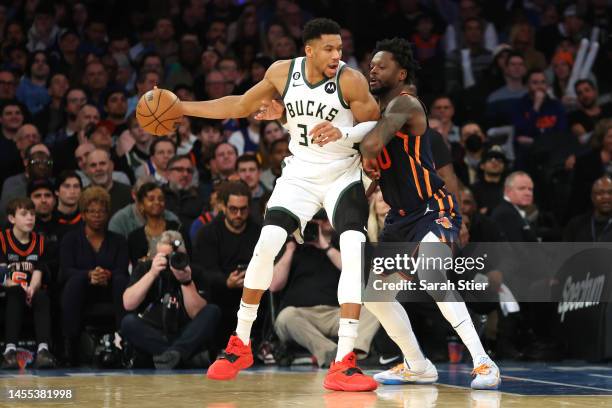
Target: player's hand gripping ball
159,112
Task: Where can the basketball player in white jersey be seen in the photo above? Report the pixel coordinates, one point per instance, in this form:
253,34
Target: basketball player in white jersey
323,99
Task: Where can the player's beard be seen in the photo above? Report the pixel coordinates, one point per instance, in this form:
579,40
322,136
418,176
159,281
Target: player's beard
383,90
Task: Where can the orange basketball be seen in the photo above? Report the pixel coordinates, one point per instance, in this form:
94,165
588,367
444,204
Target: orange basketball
159,112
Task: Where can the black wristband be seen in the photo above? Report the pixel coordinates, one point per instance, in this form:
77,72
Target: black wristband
326,250
187,283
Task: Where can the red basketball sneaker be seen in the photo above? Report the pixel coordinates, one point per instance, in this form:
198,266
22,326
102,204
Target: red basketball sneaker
237,357
345,376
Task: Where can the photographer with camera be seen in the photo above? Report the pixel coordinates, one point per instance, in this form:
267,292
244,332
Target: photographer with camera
169,317
308,277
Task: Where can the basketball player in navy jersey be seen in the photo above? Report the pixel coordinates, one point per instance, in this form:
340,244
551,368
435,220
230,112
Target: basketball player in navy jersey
422,210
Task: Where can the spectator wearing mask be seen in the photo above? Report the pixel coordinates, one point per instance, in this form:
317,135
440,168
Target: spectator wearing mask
23,264
100,171
468,154
489,190
596,225
93,267
223,249
189,324
181,195
250,172
308,276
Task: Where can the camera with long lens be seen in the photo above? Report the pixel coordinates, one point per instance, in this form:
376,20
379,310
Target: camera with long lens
177,260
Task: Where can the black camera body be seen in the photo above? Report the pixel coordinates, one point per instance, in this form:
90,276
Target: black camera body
177,260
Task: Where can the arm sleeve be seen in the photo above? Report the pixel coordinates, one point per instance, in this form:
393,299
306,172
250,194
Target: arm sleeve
356,133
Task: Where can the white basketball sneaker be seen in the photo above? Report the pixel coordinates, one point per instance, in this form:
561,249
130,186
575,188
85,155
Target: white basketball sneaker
486,374
401,374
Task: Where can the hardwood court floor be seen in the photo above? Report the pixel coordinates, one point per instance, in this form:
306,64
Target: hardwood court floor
268,388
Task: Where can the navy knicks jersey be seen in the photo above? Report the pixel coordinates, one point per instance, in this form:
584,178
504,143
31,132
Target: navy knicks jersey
408,178
21,260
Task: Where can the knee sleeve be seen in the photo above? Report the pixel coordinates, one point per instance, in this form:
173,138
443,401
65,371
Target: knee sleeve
352,210
434,254
260,269
281,219
349,286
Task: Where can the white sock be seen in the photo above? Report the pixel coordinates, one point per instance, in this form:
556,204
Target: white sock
246,316
396,323
9,347
43,346
347,333
457,315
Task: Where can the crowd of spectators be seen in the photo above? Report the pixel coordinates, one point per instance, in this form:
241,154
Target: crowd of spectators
518,93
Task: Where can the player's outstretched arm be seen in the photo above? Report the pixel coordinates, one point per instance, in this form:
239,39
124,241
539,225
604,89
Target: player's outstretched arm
403,109
239,106
356,93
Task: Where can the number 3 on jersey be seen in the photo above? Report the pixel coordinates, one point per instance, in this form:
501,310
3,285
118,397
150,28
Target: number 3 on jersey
303,135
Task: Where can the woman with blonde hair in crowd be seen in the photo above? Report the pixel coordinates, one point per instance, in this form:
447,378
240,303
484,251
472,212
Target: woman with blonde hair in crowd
378,211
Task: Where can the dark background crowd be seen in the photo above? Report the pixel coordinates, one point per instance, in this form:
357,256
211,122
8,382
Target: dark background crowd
525,117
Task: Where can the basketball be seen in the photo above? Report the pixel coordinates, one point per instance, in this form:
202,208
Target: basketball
159,112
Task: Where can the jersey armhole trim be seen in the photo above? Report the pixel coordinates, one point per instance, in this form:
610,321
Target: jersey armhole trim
311,86
288,79
340,96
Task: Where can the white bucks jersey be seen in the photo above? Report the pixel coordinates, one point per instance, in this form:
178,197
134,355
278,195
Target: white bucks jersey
307,105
